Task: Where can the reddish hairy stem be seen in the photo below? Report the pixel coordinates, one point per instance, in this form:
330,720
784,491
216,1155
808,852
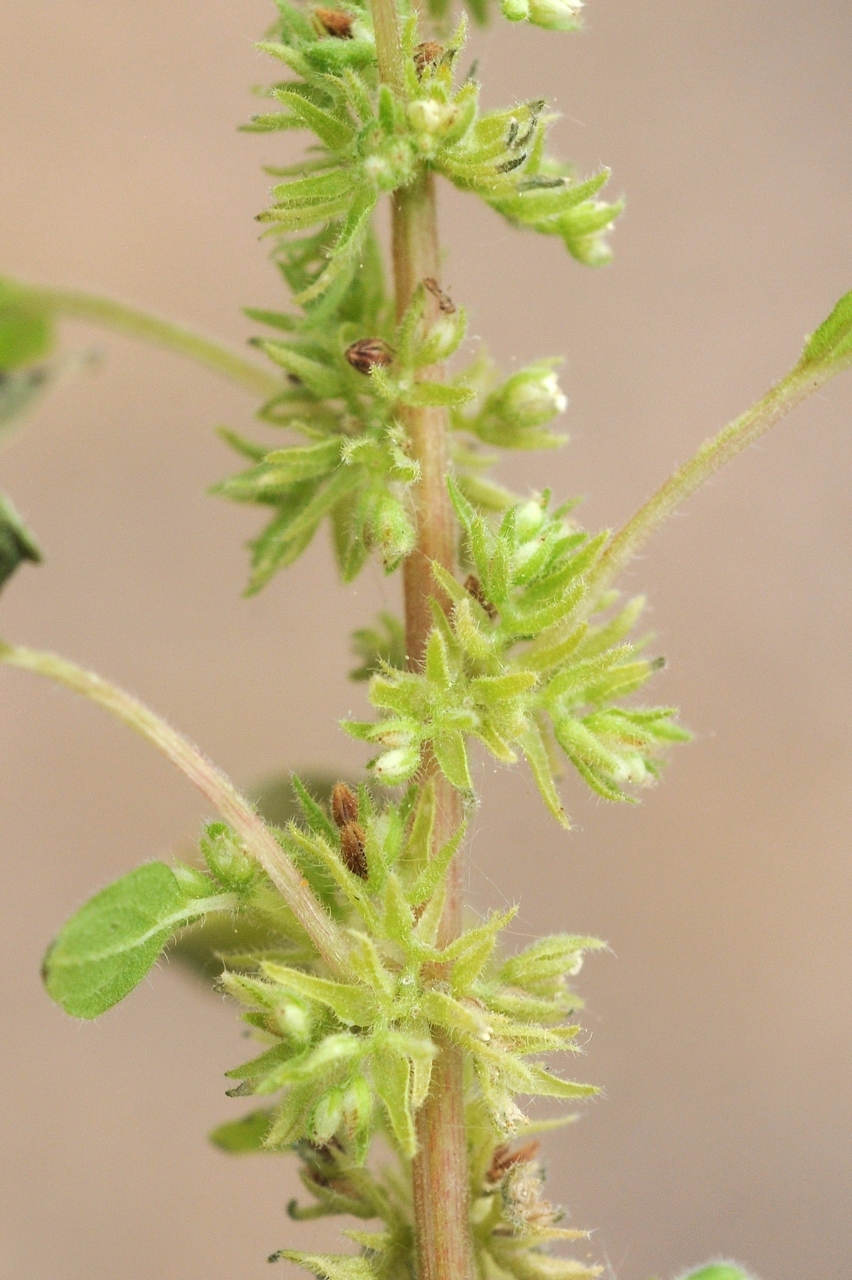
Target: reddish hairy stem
440,1169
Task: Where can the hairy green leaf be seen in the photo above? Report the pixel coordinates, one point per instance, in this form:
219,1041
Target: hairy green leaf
106,949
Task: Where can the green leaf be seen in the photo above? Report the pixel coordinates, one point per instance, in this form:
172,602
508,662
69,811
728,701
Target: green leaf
106,949
471,953
329,1266
17,544
239,1137
423,394
435,870
451,754
831,343
534,747
391,1074
352,1004
333,133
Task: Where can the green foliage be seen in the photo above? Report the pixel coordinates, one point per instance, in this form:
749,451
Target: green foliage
245,1136
528,659
517,667
107,948
350,371
354,1056
831,343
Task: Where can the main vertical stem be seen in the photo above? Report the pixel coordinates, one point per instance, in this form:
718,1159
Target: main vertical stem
440,1169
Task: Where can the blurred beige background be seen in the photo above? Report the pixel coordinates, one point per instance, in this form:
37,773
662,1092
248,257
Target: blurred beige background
722,1025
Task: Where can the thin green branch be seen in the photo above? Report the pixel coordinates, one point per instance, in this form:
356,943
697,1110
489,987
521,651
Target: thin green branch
213,784
713,454
94,309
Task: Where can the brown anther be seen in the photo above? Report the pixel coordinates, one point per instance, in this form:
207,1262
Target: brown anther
367,353
473,587
344,804
445,302
353,842
335,22
427,54
505,1159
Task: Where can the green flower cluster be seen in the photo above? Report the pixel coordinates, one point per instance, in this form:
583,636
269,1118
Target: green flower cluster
518,667
356,1055
349,369
374,141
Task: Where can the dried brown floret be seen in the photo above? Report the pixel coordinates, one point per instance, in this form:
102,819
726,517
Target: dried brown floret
366,353
344,804
335,22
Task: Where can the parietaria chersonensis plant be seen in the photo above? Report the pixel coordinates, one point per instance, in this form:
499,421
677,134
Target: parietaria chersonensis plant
379,1010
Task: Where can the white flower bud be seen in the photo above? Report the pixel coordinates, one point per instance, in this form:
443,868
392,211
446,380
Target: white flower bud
226,858
555,15
533,396
397,766
327,1116
428,115
529,517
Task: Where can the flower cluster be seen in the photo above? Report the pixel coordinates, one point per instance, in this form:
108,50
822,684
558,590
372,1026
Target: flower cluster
518,667
356,1055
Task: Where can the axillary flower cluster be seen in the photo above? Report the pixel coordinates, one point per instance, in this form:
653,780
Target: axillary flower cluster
335,921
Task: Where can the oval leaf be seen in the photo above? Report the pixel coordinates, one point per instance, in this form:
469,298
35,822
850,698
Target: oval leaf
112,942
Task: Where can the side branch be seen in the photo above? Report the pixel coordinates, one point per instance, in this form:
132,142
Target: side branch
713,454
213,784
138,324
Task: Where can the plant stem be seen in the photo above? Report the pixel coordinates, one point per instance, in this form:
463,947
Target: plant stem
440,1169
713,454
138,324
213,784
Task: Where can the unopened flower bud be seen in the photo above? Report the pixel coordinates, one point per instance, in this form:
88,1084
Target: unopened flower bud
428,115
357,1107
444,338
528,519
292,1021
327,1116
533,396
193,883
392,529
555,15
397,766
225,856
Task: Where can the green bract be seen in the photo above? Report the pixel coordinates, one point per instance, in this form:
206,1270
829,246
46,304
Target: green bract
349,402
356,1055
518,667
